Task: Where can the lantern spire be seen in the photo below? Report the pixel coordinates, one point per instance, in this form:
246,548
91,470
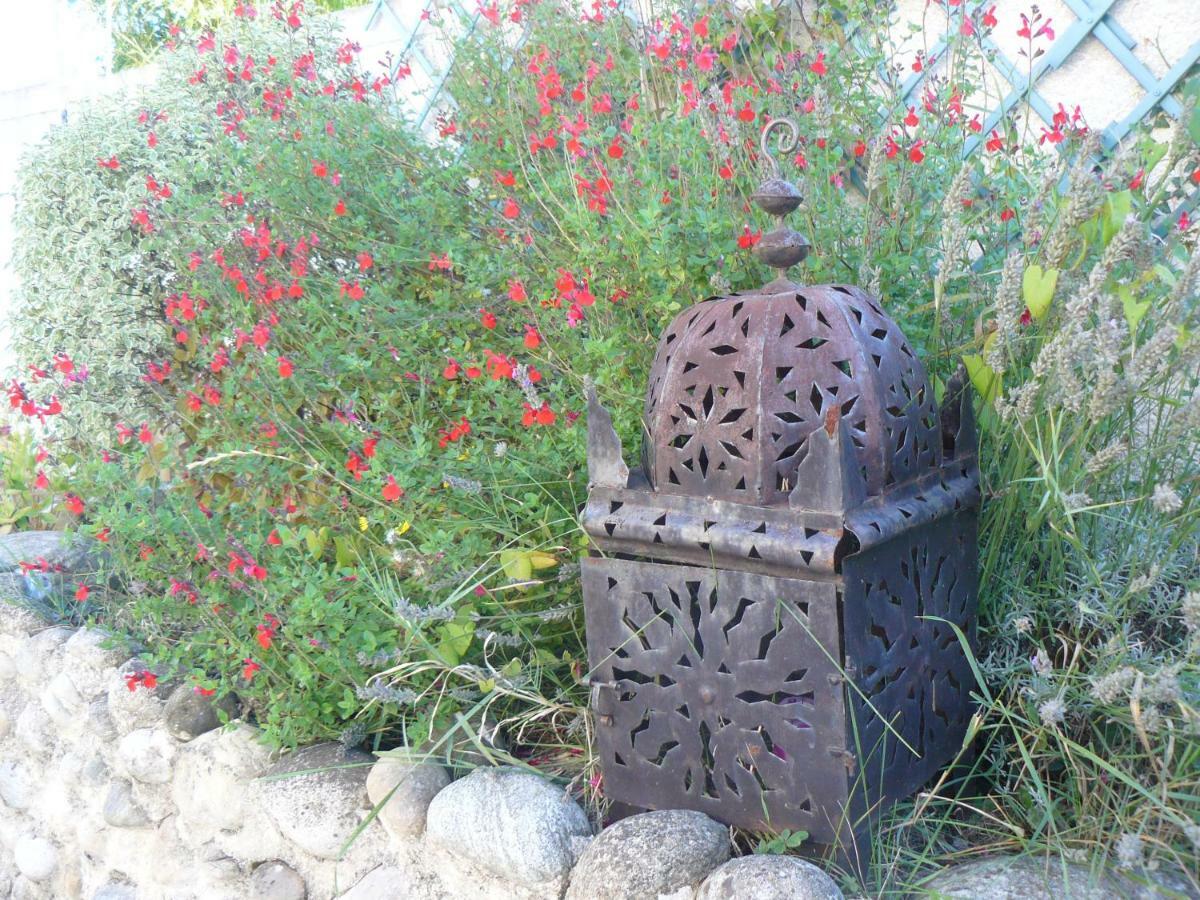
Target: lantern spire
782,247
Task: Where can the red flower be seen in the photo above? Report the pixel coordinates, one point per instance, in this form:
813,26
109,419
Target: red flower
915,153
1137,180
746,114
532,338
144,679
511,210
340,208
81,592
274,539
1024,30
263,634
319,169
103,534
487,319
989,17
542,416
1007,214
726,171
1054,135
74,504
860,149
365,261
451,370
285,367
41,482
818,67
204,692
152,140
249,668
392,491
911,119
748,239
615,150
112,163
505,179
516,291
369,445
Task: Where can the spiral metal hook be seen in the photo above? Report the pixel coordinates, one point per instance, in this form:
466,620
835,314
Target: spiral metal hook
786,143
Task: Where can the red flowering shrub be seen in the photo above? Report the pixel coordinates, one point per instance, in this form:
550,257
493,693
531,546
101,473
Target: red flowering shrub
348,487
357,422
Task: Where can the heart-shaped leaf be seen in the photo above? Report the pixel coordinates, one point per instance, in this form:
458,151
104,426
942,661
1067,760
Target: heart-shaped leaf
1037,289
1117,206
985,379
1133,309
540,560
516,564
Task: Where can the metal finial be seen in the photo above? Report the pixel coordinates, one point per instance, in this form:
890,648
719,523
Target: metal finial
782,247
787,143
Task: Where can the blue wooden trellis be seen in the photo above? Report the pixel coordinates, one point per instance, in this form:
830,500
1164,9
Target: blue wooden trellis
414,55
1092,17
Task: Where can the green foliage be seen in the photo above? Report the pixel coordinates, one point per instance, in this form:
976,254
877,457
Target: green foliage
782,842
90,284
142,28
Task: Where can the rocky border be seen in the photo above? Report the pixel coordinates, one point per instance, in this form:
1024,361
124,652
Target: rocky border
118,787
113,788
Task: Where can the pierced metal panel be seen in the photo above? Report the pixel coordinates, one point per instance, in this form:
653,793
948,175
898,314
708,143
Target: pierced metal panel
913,675
717,691
738,385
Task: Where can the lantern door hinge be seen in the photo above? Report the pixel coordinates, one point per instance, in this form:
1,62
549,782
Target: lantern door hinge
602,709
848,759
846,674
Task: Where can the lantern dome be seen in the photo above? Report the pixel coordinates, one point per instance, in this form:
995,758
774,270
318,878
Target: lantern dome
739,384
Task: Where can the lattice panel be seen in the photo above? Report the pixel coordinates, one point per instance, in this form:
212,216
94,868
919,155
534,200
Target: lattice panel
913,670
739,384
714,690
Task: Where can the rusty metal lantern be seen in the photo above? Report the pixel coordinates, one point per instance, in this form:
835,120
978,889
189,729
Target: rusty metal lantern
775,596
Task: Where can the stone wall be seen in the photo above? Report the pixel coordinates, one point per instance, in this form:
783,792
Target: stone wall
115,789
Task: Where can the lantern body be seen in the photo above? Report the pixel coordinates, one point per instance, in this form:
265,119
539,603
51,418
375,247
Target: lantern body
779,595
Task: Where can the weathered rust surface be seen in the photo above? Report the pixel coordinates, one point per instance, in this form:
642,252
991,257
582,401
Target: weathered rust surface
717,691
738,384
780,592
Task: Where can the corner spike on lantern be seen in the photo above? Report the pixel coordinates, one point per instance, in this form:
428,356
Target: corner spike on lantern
782,247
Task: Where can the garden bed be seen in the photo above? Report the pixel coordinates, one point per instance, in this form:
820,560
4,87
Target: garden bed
314,385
